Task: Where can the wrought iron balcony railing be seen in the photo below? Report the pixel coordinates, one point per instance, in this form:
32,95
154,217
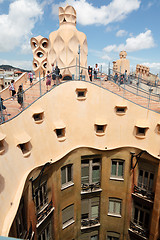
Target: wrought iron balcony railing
29,234
89,222
42,214
139,230
90,187
145,193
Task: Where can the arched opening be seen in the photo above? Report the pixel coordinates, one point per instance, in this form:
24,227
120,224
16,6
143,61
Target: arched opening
67,77
45,44
40,54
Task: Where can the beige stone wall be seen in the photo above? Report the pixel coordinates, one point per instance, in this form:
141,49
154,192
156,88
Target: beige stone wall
78,117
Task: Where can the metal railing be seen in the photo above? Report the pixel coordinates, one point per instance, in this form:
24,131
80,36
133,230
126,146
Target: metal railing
42,214
90,187
144,192
136,85
89,222
139,230
38,89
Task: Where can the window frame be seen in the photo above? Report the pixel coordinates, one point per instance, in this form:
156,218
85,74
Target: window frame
116,177
91,203
143,179
145,211
49,223
37,196
112,236
114,200
71,220
90,166
67,182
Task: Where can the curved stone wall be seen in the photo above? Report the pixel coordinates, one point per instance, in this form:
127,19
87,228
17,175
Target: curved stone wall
77,116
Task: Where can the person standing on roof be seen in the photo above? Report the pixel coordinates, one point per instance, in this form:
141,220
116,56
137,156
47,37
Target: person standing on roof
96,71
12,89
48,80
30,75
20,95
90,73
53,74
57,71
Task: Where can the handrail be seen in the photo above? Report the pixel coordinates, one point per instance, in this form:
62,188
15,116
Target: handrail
129,80
40,88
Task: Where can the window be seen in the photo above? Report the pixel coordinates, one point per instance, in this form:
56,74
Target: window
90,170
114,207
117,168
41,196
141,215
121,110
38,117
90,211
60,132
100,129
25,148
68,216
46,233
145,180
81,93
95,237
141,131
113,236
66,175
89,235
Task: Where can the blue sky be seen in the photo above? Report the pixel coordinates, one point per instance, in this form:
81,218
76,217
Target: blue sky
110,26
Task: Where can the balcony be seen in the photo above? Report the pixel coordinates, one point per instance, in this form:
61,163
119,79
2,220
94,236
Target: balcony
138,231
44,213
30,234
89,223
89,188
144,193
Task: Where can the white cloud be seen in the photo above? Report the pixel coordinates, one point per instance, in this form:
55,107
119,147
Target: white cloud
106,57
87,14
121,33
19,23
141,41
1,1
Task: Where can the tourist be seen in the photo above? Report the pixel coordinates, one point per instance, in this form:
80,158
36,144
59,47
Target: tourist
90,73
30,75
48,80
20,95
125,76
53,74
115,78
12,89
96,71
57,71
3,108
